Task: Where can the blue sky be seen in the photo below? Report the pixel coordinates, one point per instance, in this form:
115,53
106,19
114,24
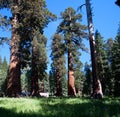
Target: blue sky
106,18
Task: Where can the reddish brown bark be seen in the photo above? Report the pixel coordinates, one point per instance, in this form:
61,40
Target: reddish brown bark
58,84
71,85
14,84
34,78
71,79
34,85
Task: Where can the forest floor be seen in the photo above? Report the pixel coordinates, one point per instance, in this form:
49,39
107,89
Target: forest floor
59,107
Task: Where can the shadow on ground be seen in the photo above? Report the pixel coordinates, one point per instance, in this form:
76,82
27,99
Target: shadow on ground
92,108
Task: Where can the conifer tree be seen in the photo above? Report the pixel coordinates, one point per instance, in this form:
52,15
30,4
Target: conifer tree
39,63
116,65
4,63
0,61
102,62
3,76
79,75
110,79
4,24
14,84
27,17
87,86
52,81
25,81
35,17
46,83
73,33
58,62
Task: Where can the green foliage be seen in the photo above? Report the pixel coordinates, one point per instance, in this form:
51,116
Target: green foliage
79,75
64,83
25,80
87,86
4,64
110,79
58,64
39,55
72,29
56,107
102,62
57,54
79,82
116,65
4,25
73,33
34,17
29,18
46,83
3,76
52,81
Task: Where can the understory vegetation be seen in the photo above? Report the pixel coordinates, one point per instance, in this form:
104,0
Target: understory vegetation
59,107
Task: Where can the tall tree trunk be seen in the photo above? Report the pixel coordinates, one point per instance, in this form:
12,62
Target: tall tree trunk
14,84
42,89
34,77
71,78
34,83
92,46
58,84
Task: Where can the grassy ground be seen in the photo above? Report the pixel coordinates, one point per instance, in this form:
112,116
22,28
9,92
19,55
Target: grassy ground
59,107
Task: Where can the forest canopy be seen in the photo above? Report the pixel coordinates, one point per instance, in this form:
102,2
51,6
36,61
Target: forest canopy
27,70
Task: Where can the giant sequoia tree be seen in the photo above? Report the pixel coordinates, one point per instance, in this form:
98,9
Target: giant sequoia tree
73,33
14,86
58,64
39,63
39,17
27,16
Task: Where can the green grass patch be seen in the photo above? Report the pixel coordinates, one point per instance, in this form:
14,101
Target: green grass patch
59,107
